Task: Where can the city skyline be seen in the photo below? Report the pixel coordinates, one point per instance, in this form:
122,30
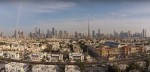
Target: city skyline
73,16
55,33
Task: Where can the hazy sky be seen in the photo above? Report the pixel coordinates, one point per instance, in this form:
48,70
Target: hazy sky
72,15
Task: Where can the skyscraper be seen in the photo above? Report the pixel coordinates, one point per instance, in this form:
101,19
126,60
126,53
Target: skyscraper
99,33
36,30
15,34
93,33
48,33
76,34
143,33
53,31
39,32
88,28
60,35
129,33
114,33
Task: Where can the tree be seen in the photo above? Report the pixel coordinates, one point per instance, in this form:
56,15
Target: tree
134,66
3,43
65,55
82,66
48,48
113,68
71,47
147,62
43,59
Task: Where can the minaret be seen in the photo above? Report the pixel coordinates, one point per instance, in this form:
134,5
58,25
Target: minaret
88,29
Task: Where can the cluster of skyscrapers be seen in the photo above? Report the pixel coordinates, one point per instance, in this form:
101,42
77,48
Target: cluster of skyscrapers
18,34
54,33
49,34
121,34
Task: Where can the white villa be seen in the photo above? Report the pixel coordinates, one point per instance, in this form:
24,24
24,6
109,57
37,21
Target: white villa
45,68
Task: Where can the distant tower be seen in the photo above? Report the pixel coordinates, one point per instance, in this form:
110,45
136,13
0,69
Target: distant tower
15,34
114,33
88,28
53,31
143,33
39,31
99,33
93,33
36,30
129,33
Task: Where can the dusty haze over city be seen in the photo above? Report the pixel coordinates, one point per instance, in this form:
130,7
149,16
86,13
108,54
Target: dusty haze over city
72,15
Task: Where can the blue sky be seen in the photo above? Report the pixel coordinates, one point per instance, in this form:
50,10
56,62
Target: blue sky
73,15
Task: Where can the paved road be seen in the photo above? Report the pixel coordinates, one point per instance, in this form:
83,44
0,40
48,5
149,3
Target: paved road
69,63
2,66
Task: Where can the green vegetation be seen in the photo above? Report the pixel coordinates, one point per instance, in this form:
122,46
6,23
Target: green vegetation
113,68
44,42
134,66
3,43
147,62
81,65
48,48
43,59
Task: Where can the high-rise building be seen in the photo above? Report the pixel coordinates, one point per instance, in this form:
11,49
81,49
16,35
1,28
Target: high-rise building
143,33
36,30
93,33
76,34
60,35
53,31
99,33
129,33
1,34
114,33
39,32
88,28
15,34
48,33
65,34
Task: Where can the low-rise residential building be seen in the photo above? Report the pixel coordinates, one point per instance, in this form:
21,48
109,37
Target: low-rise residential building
148,49
134,71
95,69
72,68
122,52
149,68
45,68
107,51
76,56
122,45
133,50
141,63
125,50
36,56
12,55
16,67
55,57
1,54
122,66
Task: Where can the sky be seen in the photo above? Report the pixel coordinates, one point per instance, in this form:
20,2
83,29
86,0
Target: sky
72,15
